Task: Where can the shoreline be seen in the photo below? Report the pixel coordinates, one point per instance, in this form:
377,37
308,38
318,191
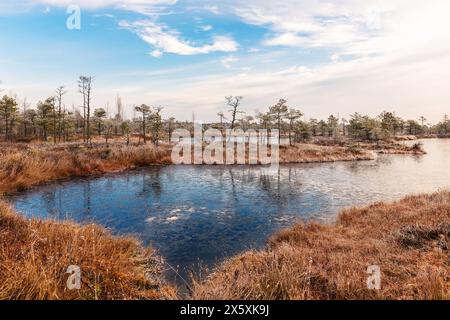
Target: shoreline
24,166
409,240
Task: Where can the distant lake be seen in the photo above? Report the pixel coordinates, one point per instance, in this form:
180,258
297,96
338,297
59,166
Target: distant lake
201,214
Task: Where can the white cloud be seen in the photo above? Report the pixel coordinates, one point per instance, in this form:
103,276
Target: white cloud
316,18
354,27
147,7
212,9
106,3
166,40
156,53
227,62
206,28
105,15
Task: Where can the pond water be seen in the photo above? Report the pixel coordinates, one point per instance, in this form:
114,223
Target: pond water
198,215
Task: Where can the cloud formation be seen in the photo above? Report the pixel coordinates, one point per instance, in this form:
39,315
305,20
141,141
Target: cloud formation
350,27
372,55
162,38
165,40
145,7
93,4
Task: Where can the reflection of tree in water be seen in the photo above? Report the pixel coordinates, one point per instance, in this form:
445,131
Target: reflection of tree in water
50,204
273,187
87,198
419,159
257,202
60,204
151,184
54,203
109,183
277,190
356,167
233,187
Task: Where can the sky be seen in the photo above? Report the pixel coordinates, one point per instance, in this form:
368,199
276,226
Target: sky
325,57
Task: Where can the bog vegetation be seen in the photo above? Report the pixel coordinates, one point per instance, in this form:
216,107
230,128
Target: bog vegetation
409,240
35,255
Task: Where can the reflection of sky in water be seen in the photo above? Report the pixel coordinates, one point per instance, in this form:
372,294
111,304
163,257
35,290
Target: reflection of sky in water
194,214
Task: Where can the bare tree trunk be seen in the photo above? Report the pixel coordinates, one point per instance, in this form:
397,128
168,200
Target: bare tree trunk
89,113
60,92
84,117
290,133
143,128
54,123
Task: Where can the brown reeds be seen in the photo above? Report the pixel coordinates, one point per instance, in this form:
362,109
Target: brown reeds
35,256
26,165
308,153
408,239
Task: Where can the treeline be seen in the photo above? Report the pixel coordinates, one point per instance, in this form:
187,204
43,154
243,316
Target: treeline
50,120
289,121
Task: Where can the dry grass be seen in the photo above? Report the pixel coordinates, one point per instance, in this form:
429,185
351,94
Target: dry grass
396,148
381,146
405,138
306,153
408,239
26,165
35,255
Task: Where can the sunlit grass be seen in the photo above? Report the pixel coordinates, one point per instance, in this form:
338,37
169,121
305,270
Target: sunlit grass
35,255
408,239
26,165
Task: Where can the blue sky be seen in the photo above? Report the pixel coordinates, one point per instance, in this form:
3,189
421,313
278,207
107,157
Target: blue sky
323,56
